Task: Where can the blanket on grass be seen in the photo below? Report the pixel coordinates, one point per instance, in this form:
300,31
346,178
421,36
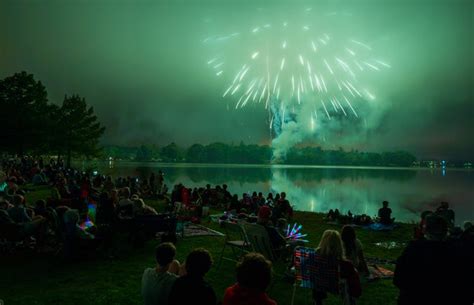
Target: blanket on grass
380,227
378,272
191,229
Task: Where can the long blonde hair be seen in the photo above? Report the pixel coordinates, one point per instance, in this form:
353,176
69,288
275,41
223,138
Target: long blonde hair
331,245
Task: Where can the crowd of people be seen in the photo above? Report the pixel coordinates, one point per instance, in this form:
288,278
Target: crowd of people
85,210
384,217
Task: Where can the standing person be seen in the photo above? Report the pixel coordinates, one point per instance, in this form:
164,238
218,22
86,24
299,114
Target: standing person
157,282
434,270
254,273
192,288
385,214
353,249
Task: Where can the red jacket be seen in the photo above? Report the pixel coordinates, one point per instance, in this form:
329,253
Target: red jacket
238,295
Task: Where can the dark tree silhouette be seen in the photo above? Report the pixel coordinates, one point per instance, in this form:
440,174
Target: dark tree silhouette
24,113
78,130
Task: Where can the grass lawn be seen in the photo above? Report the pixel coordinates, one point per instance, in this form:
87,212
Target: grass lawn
45,279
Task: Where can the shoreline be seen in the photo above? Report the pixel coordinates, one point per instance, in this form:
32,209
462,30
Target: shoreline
264,165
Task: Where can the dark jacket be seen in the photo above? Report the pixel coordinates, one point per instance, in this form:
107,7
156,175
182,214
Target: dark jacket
192,290
434,272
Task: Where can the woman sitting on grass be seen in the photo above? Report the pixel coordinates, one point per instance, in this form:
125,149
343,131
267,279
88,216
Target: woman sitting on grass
353,249
331,250
254,273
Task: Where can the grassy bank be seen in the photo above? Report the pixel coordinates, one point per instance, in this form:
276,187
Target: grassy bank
38,279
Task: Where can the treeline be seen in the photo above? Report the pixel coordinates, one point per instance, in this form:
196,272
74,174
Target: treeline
257,154
33,125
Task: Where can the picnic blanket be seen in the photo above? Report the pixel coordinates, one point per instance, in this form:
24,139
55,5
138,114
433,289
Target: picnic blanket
191,229
377,226
335,223
379,261
378,272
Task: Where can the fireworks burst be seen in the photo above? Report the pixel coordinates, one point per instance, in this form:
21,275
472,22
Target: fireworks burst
289,64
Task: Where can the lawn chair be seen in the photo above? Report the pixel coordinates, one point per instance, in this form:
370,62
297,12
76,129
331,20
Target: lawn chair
236,239
259,240
320,274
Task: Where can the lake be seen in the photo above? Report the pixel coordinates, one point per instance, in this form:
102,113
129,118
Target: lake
320,188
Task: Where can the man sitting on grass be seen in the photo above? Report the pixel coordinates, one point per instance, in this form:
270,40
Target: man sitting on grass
30,225
192,288
385,214
157,282
434,270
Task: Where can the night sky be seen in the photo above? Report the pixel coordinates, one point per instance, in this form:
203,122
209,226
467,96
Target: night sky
142,65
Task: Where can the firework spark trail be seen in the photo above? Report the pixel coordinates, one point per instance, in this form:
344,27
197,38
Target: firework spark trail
308,68
325,109
350,106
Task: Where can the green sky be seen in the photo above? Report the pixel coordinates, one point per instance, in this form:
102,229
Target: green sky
142,65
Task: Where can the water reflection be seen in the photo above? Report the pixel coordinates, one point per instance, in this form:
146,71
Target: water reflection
360,190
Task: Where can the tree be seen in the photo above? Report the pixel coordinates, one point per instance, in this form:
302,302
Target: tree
196,153
170,152
216,152
24,111
78,128
143,154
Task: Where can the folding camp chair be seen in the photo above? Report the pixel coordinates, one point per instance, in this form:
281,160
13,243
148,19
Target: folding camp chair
259,240
236,239
320,274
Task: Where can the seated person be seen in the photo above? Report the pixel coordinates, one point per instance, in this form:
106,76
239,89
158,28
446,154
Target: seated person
282,208
39,179
47,212
73,229
385,214
30,225
8,228
125,204
140,208
192,288
11,186
331,248
145,189
353,249
157,282
419,231
105,209
362,220
254,273
330,216
277,240
434,270
78,242
234,204
448,214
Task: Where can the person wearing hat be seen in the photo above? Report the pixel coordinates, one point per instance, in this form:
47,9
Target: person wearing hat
277,240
